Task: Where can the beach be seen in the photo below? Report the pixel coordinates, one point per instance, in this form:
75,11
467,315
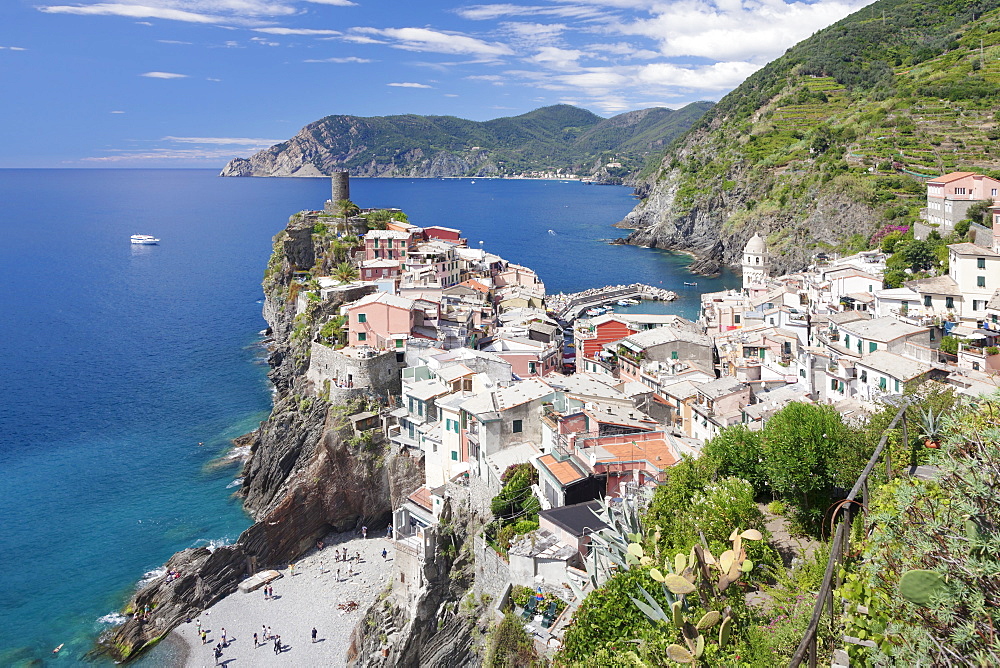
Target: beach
309,598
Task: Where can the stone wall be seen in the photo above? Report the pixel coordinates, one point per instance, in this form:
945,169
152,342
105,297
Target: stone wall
378,373
492,572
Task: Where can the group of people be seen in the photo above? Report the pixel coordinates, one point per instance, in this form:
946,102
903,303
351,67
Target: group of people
268,592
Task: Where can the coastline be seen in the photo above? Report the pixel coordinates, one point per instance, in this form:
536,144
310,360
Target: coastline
309,598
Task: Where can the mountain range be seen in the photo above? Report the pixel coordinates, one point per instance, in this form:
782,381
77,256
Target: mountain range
560,137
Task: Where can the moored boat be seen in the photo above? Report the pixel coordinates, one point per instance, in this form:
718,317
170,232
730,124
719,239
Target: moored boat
145,239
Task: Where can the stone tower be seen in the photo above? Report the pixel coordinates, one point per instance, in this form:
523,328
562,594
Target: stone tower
341,186
756,264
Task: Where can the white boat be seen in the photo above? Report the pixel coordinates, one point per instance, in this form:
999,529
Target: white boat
145,239
595,311
624,302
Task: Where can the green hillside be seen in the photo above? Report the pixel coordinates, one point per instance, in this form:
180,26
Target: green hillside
861,112
560,137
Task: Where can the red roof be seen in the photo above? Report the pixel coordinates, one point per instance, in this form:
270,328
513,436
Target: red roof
422,497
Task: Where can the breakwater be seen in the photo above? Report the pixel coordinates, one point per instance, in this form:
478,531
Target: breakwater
571,305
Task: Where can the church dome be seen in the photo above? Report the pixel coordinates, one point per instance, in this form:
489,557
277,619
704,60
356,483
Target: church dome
755,245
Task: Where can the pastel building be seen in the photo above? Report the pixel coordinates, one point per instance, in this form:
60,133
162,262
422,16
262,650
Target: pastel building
387,244
382,320
950,196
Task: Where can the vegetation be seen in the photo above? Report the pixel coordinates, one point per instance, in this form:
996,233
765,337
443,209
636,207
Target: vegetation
515,508
509,645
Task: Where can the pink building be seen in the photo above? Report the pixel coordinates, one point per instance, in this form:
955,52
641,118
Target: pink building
950,196
381,320
387,244
373,270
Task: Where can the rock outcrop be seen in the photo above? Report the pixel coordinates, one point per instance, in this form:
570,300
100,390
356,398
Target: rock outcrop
307,473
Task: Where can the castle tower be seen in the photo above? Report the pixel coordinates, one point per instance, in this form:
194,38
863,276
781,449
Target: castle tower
341,186
756,263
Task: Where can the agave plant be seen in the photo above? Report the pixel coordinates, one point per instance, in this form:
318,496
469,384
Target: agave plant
932,426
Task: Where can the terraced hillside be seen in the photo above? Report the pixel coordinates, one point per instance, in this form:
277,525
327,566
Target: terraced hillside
835,139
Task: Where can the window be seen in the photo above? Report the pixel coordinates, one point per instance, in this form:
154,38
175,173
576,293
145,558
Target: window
882,382
802,373
864,375
932,333
847,340
980,281
980,263
673,354
840,387
975,304
420,408
959,191
896,385
399,343
872,346
993,192
833,383
927,300
362,336
454,456
949,302
376,242
531,367
362,317
736,319
517,426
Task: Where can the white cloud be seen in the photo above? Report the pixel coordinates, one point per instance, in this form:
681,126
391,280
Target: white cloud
736,29
362,39
241,141
132,11
116,112
450,95
13,48
297,31
495,11
171,41
347,59
408,84
557,59
264,41
425,39
163,75
336,3
212,79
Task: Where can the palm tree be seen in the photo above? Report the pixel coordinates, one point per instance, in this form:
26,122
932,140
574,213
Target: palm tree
345,272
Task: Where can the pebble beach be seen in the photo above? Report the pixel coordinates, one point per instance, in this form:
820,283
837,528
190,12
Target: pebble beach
312,597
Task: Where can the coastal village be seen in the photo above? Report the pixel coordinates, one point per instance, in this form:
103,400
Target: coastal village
499,388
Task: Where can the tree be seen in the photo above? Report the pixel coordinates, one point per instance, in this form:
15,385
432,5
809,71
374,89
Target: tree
949,344
736,452
801,447
348,208
346,272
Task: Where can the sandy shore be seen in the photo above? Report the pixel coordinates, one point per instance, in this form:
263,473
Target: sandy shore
307,599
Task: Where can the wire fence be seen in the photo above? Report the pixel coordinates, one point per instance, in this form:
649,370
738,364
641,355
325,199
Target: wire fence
809,647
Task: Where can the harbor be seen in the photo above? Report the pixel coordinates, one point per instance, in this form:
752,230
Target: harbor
571,306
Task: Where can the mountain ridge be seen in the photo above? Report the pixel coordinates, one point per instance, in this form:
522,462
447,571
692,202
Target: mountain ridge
557,137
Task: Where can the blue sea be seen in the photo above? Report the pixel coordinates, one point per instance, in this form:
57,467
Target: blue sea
128,369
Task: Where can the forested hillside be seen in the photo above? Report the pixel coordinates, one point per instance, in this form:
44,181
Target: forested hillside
835,138
560,137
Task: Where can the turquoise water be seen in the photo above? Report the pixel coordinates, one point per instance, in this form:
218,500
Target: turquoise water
129,368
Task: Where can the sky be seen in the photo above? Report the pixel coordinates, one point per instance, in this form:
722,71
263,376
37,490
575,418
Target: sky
194,83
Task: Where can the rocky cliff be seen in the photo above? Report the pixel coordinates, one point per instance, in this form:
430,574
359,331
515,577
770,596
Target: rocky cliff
307,473
560,137
833,140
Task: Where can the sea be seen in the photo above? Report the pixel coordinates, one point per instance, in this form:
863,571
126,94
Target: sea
128,369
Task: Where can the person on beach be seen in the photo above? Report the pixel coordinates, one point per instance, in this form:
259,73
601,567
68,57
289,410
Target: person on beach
218,654
256,641
277,644
385,554
314,634
263,632
364,532
292,568
388,531
269,632
224,644
199,625
338,575
204,638
357,555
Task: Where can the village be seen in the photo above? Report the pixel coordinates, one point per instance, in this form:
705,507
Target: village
482,377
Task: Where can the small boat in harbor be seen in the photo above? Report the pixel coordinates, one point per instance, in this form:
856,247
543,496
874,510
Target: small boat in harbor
145,239
691,284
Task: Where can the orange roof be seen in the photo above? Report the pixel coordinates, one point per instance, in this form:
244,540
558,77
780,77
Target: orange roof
951,176
422,497
655,451
564,472
475,285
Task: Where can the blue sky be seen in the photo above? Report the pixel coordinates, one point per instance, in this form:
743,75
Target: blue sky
193,83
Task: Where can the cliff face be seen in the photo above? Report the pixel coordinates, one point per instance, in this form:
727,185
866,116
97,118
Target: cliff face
831,140
306,474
